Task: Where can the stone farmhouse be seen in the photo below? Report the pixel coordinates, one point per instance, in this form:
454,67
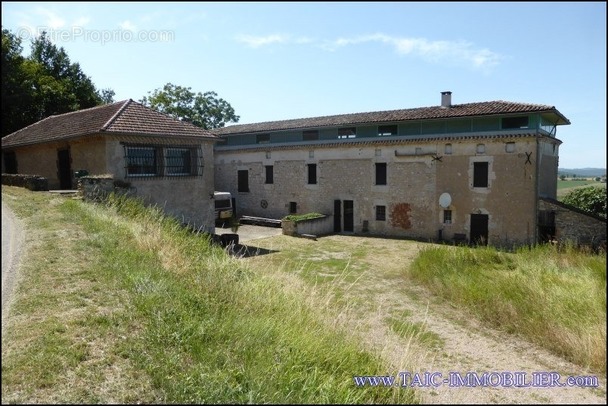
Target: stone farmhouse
166,162
473,172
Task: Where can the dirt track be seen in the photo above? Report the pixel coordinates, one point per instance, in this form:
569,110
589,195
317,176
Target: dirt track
12,242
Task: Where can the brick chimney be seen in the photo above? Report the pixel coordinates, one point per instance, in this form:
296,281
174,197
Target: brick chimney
446,99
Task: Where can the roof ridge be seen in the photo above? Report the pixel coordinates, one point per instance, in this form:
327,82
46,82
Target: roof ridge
387,112
115,116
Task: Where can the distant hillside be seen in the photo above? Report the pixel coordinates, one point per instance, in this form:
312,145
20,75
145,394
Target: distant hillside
583,172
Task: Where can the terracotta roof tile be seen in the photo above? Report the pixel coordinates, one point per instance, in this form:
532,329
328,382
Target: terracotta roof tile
421,113
124,117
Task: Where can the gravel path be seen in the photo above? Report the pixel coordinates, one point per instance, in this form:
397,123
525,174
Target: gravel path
469,347
12,242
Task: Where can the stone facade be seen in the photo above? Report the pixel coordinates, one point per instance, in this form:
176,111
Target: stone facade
189,198
574,226
417,173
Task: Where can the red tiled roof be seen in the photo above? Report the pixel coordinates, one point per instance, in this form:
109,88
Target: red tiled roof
124,117
421,113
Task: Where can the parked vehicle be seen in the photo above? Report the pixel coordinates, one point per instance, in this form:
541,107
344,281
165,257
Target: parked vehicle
223,207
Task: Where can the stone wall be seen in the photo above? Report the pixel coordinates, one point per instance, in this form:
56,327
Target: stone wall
317,226
575,226
31,182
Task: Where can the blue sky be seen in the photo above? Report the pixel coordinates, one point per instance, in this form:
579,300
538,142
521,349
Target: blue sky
274,61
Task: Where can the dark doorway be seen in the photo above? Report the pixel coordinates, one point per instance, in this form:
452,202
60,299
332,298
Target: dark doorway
10,162
337,216
349,216
64,169
546,226
479,229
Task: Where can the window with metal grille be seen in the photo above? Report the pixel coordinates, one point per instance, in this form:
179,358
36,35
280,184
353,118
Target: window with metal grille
243,180
480,174
269,174
312,174
159,160
310,135
386,130
180,162
381,173
380,213
143,161
293,207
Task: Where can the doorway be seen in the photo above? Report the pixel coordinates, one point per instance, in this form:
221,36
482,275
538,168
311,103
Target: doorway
349,216
64,169
337,216
479,229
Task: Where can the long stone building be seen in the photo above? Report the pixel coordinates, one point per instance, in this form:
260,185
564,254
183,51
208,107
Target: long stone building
473,172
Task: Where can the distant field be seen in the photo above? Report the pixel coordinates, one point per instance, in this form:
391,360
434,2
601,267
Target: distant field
566,186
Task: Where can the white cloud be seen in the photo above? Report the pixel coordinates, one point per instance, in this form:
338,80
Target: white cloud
452,52
458,52
52,20
128,26
258,41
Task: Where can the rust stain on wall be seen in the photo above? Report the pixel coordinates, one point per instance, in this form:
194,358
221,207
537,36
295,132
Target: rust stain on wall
400,216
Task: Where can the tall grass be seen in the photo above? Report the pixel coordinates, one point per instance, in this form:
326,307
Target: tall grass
212,331
555,297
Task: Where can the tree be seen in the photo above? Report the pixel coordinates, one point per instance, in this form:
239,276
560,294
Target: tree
562,177
205,110
43,84
590,199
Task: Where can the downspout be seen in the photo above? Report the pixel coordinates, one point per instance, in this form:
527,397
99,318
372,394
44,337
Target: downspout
536,185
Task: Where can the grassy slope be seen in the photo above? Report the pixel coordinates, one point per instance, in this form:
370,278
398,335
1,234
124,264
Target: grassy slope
118,304
556,298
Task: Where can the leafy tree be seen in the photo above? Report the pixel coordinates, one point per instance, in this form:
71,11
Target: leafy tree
43,84
590,199
107,96
205,110
15,92
562,177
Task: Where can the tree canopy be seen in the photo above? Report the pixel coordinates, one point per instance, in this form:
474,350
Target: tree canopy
591,199
205,110
43,84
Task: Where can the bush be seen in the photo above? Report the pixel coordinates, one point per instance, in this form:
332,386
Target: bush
589,199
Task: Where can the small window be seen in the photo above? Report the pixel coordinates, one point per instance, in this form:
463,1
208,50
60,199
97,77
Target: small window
448,149
312,174
514,122
243,181
387,130
262,138
481,148
510,147
142,161
310,135
268,155
293,207
480,174
381,173
447,216
418,151
378,152
269,174
311,154
347,132
380,213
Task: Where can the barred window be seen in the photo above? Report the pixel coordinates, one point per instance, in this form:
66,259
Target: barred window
179,161
142,161
158,161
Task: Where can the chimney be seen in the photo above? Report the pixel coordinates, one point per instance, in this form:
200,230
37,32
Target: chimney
446,99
